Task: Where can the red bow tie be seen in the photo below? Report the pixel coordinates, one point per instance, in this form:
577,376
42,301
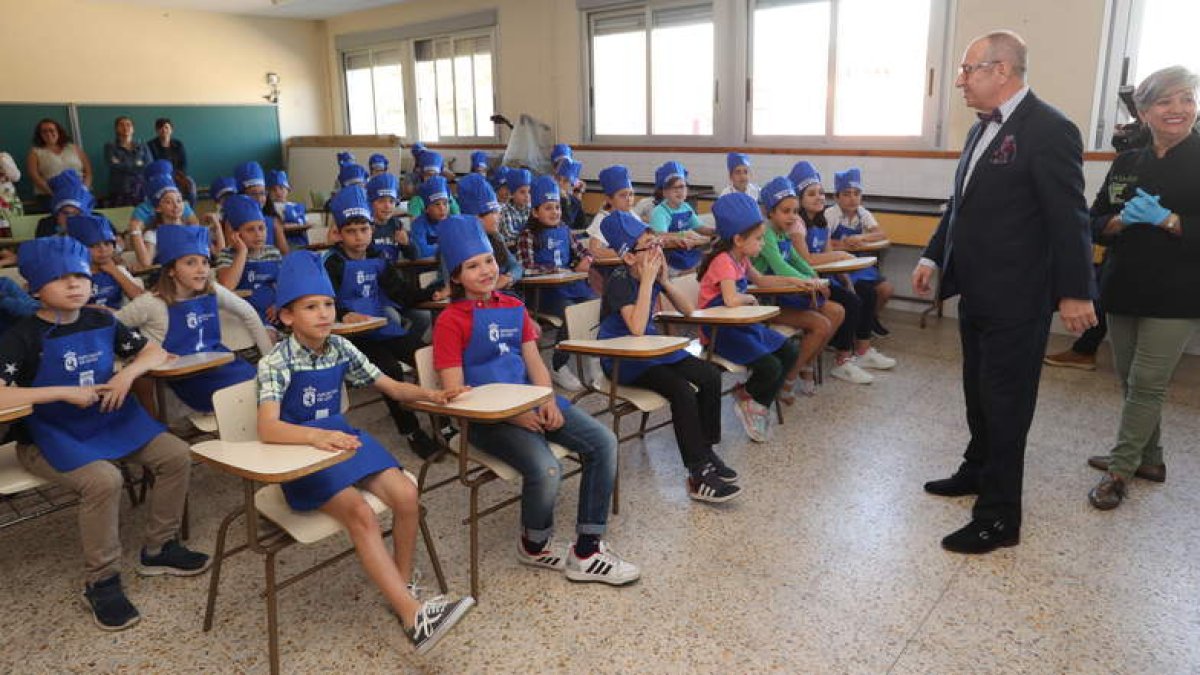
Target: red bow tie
993,116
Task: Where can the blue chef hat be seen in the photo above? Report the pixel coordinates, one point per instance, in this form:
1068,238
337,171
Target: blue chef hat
544,189
176,241
45,259
735,159
560,151
668,171
158,167
570,170
221,186
475,196
735,212
159,185
845,180
776,190
67,189
349,202
240,209
345,157
804,174
90,229
416,149
301,274
519,178
383,185
479,160
461,238
378,161
615,178
248,175
351,174
433,189
429,160
278,177
499,177
621,230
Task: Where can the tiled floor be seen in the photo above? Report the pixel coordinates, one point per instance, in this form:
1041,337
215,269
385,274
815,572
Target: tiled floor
828,563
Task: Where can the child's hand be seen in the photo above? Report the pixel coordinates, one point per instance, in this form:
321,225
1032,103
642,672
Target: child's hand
239,246
355,317
844,255
7,258
272,314
444,292
584,265
528,420
82,397
109,267
333,441
651,263
748,299
443,396
550,416
401,237
112,394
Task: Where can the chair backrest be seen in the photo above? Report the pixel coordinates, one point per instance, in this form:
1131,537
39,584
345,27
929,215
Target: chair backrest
687,284
236,408
707,220
426,375
14,273
583,320
426,278
318,235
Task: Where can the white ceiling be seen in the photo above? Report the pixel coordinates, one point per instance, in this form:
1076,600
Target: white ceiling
281,9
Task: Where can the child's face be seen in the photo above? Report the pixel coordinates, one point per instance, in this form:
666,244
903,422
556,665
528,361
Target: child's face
675,192
785,214
310,317
522,196
478,274
437,210
740,178
258,193
278,193
191,272
66,293
813,199
102,252
429,173
64,213
170,206
645,244
381,209
254,234
564,185
750,242
621,200
850,199
375,171
549,213
491,222
503,194
356,236
481,170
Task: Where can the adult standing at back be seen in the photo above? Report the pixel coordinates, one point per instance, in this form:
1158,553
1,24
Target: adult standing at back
53,152
126,157
1014,244
165,146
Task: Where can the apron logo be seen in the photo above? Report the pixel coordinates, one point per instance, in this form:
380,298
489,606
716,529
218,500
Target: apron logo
192,320
321,414
494,332
70,362
250,276
503,348
87,378
360,278
366,291
309,397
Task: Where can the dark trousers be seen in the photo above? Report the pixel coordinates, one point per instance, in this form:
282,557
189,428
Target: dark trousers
865,290
1089,342
387,355
843,339
695,413
768,372
1002,363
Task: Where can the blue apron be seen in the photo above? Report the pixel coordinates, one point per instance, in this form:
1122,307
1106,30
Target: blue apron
299,239
105,290
258,277
817,239
742,345
614,325
314,399
795,300
869,274
269,224
424,237
679,258
359,292
68,436
193,326
494,351
554,248
384,239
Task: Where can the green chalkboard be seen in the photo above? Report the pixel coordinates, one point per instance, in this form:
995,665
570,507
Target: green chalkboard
216,137
17,123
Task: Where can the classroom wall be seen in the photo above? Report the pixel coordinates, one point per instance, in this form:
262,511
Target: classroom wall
108,52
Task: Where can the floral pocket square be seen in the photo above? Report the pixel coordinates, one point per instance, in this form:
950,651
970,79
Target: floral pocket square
1006,152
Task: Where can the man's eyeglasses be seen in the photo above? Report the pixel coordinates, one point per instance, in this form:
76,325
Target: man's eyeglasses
968,68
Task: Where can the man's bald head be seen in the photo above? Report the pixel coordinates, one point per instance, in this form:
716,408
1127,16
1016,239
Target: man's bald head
1008,47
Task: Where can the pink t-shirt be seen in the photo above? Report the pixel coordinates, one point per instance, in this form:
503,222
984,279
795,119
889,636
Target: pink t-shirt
721,268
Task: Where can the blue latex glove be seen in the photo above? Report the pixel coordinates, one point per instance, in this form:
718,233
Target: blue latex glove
1144,208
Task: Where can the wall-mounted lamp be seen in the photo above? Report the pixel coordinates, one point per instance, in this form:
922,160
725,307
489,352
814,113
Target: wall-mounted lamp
273,83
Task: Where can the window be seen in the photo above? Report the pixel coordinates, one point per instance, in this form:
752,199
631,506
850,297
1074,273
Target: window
1145,36
653,71
454,87
375,92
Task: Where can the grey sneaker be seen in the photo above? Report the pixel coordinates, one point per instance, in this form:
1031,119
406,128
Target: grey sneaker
435,618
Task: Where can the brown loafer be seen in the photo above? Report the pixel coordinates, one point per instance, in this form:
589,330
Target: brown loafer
1071,359
1152,472
1108,493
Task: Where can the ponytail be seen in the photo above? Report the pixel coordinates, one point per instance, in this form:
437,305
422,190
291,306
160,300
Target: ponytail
721,246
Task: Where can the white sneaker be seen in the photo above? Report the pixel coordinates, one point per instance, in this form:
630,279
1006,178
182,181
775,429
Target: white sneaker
746,411
551,557
850,372
603,566
565,379
595,374
807,387
875,359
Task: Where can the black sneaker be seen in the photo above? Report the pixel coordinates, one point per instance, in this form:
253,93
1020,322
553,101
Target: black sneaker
435,618
174,559
722,470
879,329
708,487
421,444
110,608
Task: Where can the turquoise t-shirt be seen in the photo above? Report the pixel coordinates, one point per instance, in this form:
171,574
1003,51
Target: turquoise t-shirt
661,216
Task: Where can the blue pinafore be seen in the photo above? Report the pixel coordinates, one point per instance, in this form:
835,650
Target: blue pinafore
314,399
70,437
293,214
554,249
742,345
817,239
869,274
681,258
614,325
193,326
359,292
259,277
105,290
494,351
384,239
795,300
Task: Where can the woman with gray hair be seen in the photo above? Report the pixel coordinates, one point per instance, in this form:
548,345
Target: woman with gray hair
1148,215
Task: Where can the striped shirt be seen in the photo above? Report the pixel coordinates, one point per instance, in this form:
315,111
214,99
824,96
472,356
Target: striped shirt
275,369
267,252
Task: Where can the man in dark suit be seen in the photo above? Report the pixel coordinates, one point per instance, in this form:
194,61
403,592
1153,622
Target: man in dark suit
1014,244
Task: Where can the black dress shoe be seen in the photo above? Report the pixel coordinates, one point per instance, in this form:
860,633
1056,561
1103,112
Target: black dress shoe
958,485
982,536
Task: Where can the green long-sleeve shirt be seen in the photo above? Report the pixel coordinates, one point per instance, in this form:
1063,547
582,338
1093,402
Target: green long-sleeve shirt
771,261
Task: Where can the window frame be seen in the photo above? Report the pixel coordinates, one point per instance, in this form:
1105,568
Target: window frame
406,75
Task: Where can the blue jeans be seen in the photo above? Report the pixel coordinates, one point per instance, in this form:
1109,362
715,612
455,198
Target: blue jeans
541,473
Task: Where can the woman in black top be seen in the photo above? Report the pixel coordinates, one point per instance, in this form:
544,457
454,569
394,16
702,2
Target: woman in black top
165,147
126,157
1148,215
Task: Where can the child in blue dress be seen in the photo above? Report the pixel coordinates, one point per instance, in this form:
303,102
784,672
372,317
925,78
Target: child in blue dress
484,337
390,237
252,182
250,264
111,282
299,402
288,214
675,221
691,385
435,204
853,225
61,360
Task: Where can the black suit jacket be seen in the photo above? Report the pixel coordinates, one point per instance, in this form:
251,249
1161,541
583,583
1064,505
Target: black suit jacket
1016,238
